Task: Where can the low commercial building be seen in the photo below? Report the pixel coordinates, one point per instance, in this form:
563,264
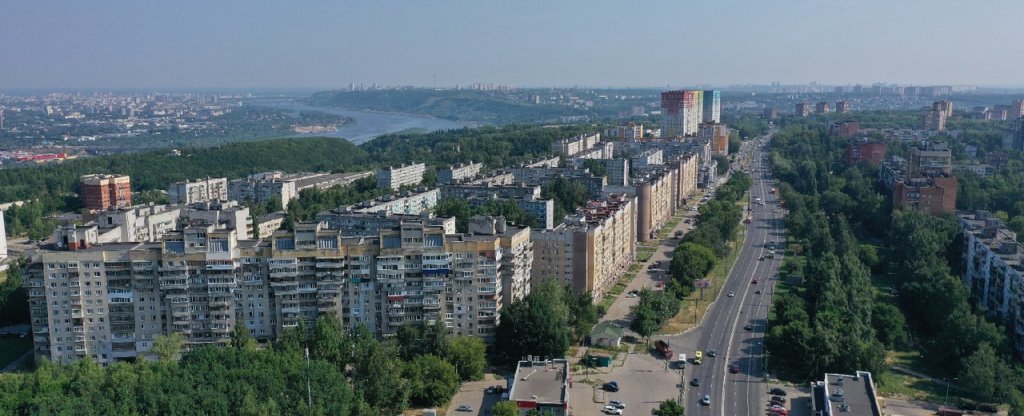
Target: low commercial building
394,177
993,268
199,190
842,394
541,386
457,173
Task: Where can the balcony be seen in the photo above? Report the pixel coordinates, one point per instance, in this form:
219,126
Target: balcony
221,267
330,265
77,313
166,284
396,312
290,310
42,330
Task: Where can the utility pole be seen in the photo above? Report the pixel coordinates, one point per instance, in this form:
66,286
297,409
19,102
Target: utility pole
309,390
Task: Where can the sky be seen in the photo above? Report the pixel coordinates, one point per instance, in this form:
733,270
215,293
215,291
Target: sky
101,44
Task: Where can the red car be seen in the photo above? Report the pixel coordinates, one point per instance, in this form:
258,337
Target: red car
734,369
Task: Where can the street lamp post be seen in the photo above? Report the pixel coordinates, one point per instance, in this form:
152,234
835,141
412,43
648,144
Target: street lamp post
945,400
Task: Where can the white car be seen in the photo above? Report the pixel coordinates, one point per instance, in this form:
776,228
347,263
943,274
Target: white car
731,294
611,410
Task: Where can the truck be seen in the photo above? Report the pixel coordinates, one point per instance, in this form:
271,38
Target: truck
682,361
663,348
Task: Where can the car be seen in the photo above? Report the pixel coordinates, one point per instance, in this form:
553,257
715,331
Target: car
777,392
776,408
706,400
748,327
660,285
734,369
776,403
779,399
695,382
758,291
753,282
618,404
731,294
710,353
611,386
611,410
760,258
489,390
464,408
631,295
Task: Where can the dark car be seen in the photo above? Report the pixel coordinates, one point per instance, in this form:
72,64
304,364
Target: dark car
779,399
734,369
777,391
749,327
710,353
695,382
612,386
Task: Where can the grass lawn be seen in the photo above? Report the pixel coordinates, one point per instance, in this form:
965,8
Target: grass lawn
12,348
644,254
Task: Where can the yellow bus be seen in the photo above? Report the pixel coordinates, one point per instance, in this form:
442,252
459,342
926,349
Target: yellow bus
697,356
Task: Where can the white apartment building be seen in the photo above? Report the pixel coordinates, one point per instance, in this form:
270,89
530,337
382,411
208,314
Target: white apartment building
199,190
394,177
993,269
456,173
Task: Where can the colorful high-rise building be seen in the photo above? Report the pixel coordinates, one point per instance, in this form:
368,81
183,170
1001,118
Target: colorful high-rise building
712,106
681,112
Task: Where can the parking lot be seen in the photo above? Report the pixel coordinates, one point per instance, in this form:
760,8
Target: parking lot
643,383
473,394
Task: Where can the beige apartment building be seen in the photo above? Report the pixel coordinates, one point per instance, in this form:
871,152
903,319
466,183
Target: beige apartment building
592,248
110,301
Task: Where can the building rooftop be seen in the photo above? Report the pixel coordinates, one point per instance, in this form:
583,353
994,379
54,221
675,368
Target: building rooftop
541,382
841,394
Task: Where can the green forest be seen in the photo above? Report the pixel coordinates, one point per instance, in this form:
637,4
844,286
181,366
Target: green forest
843,239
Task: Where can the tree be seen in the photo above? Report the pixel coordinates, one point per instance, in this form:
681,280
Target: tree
432,380
378,376
469,356
241,338
330,342
890,325
505,408
582,313
981,372
669,408
691,261
537,325
168,347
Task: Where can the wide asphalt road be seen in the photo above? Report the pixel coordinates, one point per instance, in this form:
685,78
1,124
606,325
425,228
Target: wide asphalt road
724,328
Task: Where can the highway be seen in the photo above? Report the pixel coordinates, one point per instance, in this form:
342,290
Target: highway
723,329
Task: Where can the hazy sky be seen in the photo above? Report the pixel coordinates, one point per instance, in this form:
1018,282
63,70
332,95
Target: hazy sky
324,44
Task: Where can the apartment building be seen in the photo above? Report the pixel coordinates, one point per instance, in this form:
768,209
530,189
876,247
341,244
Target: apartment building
262,188
370,224
682,111
803,109
822,108
540,176
845,129
409,202
617,171
712,112
993,268
592,248
110,301
842,107
718,134
324,180
864,150
573,146
630,131
394,177
199,190
645,158
934,120
101,192
930,159
137,224
934,195
459,172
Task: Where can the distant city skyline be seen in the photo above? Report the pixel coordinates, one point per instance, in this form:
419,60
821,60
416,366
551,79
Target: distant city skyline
105,45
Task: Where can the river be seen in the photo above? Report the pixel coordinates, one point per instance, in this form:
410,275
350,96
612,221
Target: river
367,124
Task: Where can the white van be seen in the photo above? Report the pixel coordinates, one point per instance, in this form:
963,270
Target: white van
682,360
